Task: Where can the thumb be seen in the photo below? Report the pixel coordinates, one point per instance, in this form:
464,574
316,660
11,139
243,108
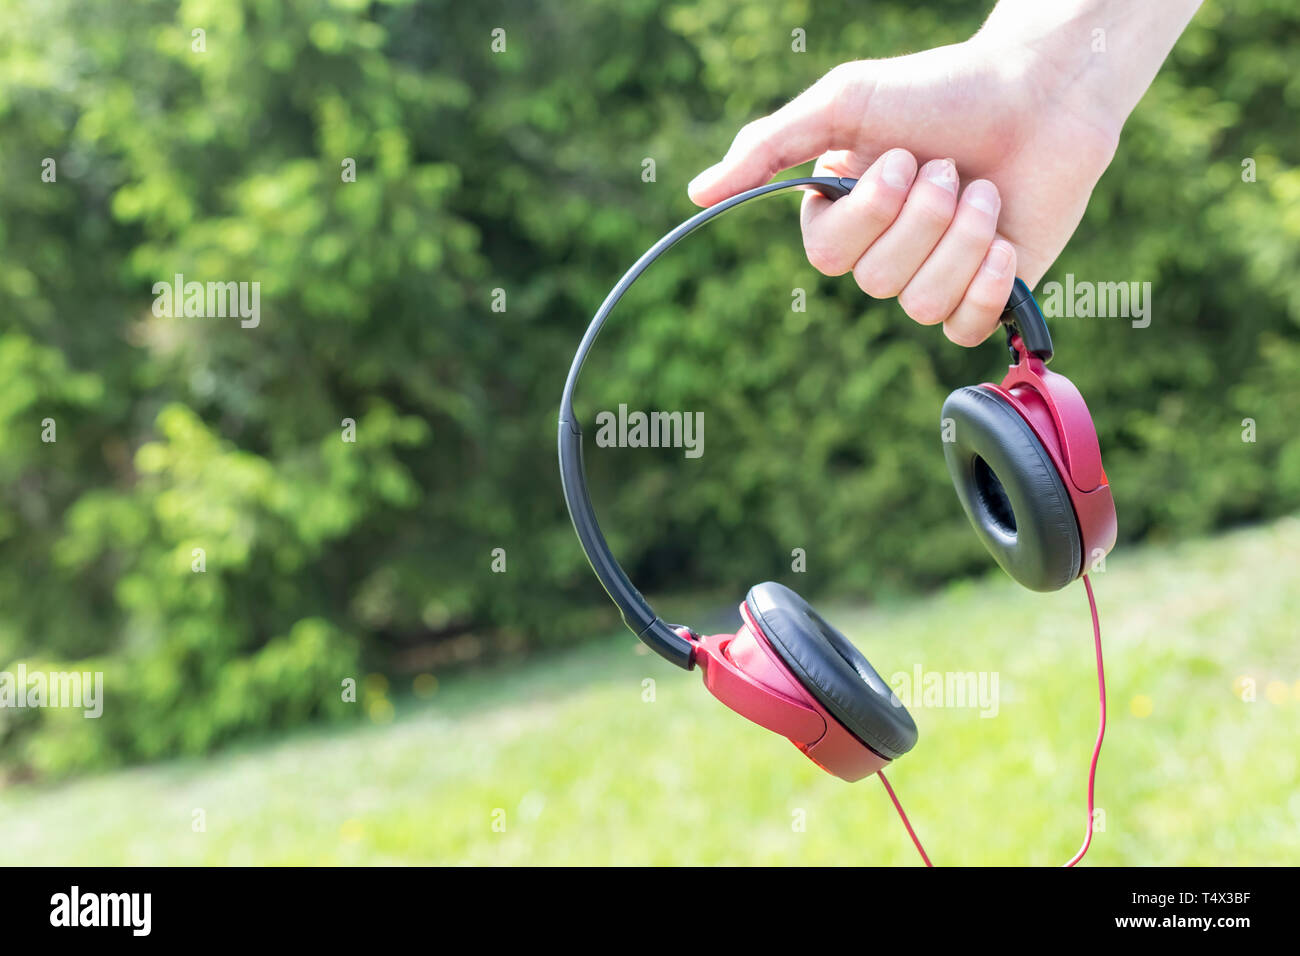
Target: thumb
801,130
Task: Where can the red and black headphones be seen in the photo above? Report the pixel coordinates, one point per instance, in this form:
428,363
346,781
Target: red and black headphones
1027,468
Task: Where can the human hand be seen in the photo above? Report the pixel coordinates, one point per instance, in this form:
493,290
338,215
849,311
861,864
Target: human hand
1027,121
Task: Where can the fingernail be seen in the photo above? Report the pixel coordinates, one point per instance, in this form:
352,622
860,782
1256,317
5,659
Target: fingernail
943,173
983,195
897,170
998,261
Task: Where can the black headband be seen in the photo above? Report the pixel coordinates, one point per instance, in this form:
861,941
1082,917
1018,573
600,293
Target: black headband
1022,316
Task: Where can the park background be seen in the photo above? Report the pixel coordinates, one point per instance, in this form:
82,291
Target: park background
514,698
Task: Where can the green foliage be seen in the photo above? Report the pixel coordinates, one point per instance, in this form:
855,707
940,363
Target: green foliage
522,171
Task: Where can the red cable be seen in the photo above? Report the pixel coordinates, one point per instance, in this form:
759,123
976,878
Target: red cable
1101,726
1096,749
899,807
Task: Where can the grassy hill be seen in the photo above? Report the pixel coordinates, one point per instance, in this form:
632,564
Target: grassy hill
581,769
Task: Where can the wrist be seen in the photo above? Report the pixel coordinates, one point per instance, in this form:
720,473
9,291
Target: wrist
1052,61
1093,58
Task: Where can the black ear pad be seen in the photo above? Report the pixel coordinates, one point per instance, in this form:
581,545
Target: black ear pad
834,671
1011,490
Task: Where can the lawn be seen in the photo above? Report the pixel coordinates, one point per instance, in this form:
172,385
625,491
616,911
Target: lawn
565,761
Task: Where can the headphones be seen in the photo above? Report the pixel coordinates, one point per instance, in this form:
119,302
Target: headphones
1026,464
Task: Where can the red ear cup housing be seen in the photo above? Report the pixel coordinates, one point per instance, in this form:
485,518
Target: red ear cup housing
1026,465
787,669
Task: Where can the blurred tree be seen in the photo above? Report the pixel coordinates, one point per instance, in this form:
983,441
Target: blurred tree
510,168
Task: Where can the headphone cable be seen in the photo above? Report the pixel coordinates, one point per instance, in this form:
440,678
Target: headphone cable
899,807
1101,725
1096,749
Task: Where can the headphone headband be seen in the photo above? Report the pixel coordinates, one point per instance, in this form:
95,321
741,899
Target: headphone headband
1021,316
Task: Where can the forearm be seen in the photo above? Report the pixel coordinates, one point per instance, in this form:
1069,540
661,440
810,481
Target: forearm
1100,54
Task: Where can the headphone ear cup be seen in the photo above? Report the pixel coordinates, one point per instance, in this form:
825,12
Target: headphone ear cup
1011,491
832,670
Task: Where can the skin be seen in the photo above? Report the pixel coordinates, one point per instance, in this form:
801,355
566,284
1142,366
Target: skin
975,161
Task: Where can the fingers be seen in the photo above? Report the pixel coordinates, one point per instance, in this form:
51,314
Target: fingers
981,307
884,270
937,287
902,231
799,131
836,234
940,255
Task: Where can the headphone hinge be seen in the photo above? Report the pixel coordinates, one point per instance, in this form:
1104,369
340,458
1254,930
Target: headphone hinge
1022,317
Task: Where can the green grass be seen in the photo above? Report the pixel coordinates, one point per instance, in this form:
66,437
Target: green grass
587,772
